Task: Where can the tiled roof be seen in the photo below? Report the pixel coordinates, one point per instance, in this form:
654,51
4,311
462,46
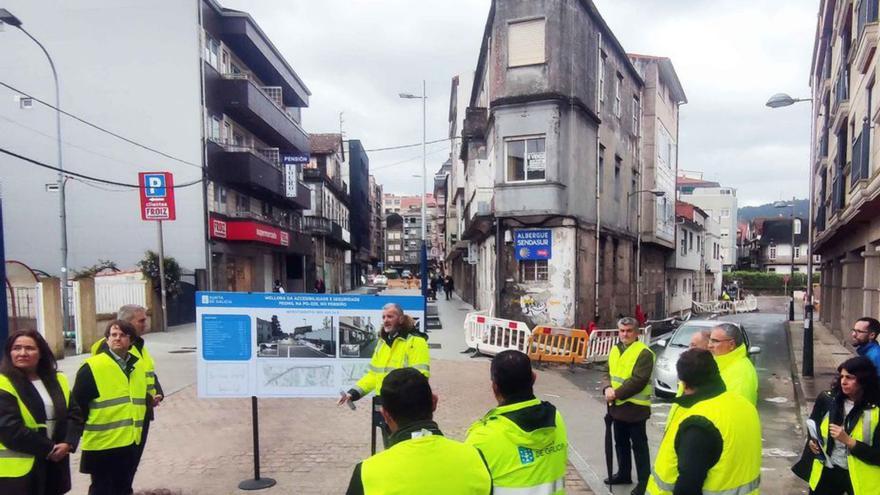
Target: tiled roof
325,143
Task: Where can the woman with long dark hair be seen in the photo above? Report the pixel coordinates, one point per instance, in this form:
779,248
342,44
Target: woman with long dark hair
38,422
843,447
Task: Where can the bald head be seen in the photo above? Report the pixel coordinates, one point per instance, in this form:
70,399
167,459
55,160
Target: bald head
700,340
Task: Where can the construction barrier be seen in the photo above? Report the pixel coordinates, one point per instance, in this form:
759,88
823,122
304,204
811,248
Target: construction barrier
558,345
747,305
601,342
488,335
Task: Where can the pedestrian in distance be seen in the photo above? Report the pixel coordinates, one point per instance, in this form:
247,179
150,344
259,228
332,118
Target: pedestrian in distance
419,459
524,439
700,340
400,345
277,287
320,288
727,344
842,454
630,365
111,390
448,286
712,442
39,424
137,316
864,338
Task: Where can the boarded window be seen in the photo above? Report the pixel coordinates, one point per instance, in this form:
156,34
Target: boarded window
525,43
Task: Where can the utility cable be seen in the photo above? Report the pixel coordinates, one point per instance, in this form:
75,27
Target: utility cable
95,126
404,146
87,177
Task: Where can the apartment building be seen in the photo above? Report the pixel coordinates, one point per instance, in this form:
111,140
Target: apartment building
235,216
654,204
409,208
360,212
437,253
845,168
694,271
327,219
395,257
377,231
718,202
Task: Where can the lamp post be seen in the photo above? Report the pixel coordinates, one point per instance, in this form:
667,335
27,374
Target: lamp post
783,204
7,17
657,193
423,273
780,100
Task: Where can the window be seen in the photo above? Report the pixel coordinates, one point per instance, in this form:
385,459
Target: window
772,253
526,160
684,242
691,241
25,103
601,169
618,163
242,203
214,130
525,43
726,192
797,226
797,251
212,51
771,270
533,270
617,84
637,111
602,61
725,212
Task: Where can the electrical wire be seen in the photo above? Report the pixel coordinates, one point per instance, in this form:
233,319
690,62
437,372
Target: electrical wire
87,177
404,146
95,126
389,165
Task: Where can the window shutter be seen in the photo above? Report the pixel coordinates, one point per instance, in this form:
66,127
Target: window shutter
525,43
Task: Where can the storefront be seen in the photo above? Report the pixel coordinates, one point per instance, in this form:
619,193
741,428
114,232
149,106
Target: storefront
249,256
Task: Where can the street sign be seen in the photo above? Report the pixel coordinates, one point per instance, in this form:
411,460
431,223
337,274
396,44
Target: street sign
291,179
533,244
157,196
294,158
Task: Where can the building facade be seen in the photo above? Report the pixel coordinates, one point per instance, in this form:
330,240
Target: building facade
718,202
377,230
770,245
360,211
327,219
661,102
845,168
694,271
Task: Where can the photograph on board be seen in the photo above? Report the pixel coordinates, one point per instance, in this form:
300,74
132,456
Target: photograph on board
301,336
358,335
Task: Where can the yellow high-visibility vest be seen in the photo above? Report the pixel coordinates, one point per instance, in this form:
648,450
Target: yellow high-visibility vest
865,477
739,373
738,470
404,352
426,464
116,416
620,368
14,464
143,355
522,461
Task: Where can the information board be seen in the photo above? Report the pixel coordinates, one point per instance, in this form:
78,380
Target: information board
288,345
533,244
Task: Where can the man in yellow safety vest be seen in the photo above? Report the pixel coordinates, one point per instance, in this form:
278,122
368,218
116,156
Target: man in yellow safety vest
630,365
419,458
712,442
524,439
727,344
111,390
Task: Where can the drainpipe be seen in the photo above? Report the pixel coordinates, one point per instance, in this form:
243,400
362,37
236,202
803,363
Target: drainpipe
598,185
639,210
209,271
499,266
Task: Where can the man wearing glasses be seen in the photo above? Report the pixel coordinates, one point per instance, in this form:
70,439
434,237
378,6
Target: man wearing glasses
864,338
737,371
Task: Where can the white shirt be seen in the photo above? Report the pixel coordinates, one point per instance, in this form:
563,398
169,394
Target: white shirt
48,405
839,453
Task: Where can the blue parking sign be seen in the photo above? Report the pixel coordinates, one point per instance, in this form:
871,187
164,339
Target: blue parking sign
154,186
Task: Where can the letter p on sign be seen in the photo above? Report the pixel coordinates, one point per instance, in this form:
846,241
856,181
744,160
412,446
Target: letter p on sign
157,195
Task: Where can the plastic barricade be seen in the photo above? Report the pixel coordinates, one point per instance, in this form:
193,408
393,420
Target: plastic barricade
488,335
558,345
474,327
601,342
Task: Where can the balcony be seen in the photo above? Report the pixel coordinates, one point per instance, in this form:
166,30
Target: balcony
255,170
317,225
820,216
866,42
861,159
840,110
259,108
311,174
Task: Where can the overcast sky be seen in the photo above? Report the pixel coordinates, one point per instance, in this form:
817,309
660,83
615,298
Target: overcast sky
731,55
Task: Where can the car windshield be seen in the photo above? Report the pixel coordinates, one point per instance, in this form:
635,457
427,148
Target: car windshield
682,337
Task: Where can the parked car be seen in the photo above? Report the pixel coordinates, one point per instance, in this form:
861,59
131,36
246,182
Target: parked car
665,376
380,281
406,274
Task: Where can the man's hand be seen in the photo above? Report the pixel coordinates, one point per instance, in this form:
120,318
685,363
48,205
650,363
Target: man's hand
343,399
814,447
157,399
840,434
59,452
610,394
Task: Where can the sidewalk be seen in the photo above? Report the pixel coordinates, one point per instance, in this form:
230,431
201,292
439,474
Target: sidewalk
828,353
309,446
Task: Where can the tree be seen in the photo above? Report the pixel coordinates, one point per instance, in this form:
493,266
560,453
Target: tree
91,271
150,268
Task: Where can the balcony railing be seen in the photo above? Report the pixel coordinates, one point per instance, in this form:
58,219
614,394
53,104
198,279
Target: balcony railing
275,94
292,223
861,156
841,87
268,155
838,187
317,225
867,13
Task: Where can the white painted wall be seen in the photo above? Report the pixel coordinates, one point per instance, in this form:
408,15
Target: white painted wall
710,200
126,65
551,302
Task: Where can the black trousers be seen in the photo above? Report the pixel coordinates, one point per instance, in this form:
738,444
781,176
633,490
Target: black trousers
632,437
834,481
112,482
139,450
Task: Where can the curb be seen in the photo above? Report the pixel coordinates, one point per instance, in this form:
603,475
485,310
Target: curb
796,378
590,477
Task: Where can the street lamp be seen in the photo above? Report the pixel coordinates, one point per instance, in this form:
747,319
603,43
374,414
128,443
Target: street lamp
780,100
7,17
424,248
657,193
783,204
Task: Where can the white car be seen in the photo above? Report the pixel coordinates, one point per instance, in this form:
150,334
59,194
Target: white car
380,281
665,378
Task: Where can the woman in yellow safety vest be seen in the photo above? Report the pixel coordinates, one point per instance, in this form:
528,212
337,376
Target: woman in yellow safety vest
38,423
843,446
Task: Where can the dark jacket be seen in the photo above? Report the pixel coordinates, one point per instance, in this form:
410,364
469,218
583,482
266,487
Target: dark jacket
641,376
831,402
698,443
84,392
47,477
